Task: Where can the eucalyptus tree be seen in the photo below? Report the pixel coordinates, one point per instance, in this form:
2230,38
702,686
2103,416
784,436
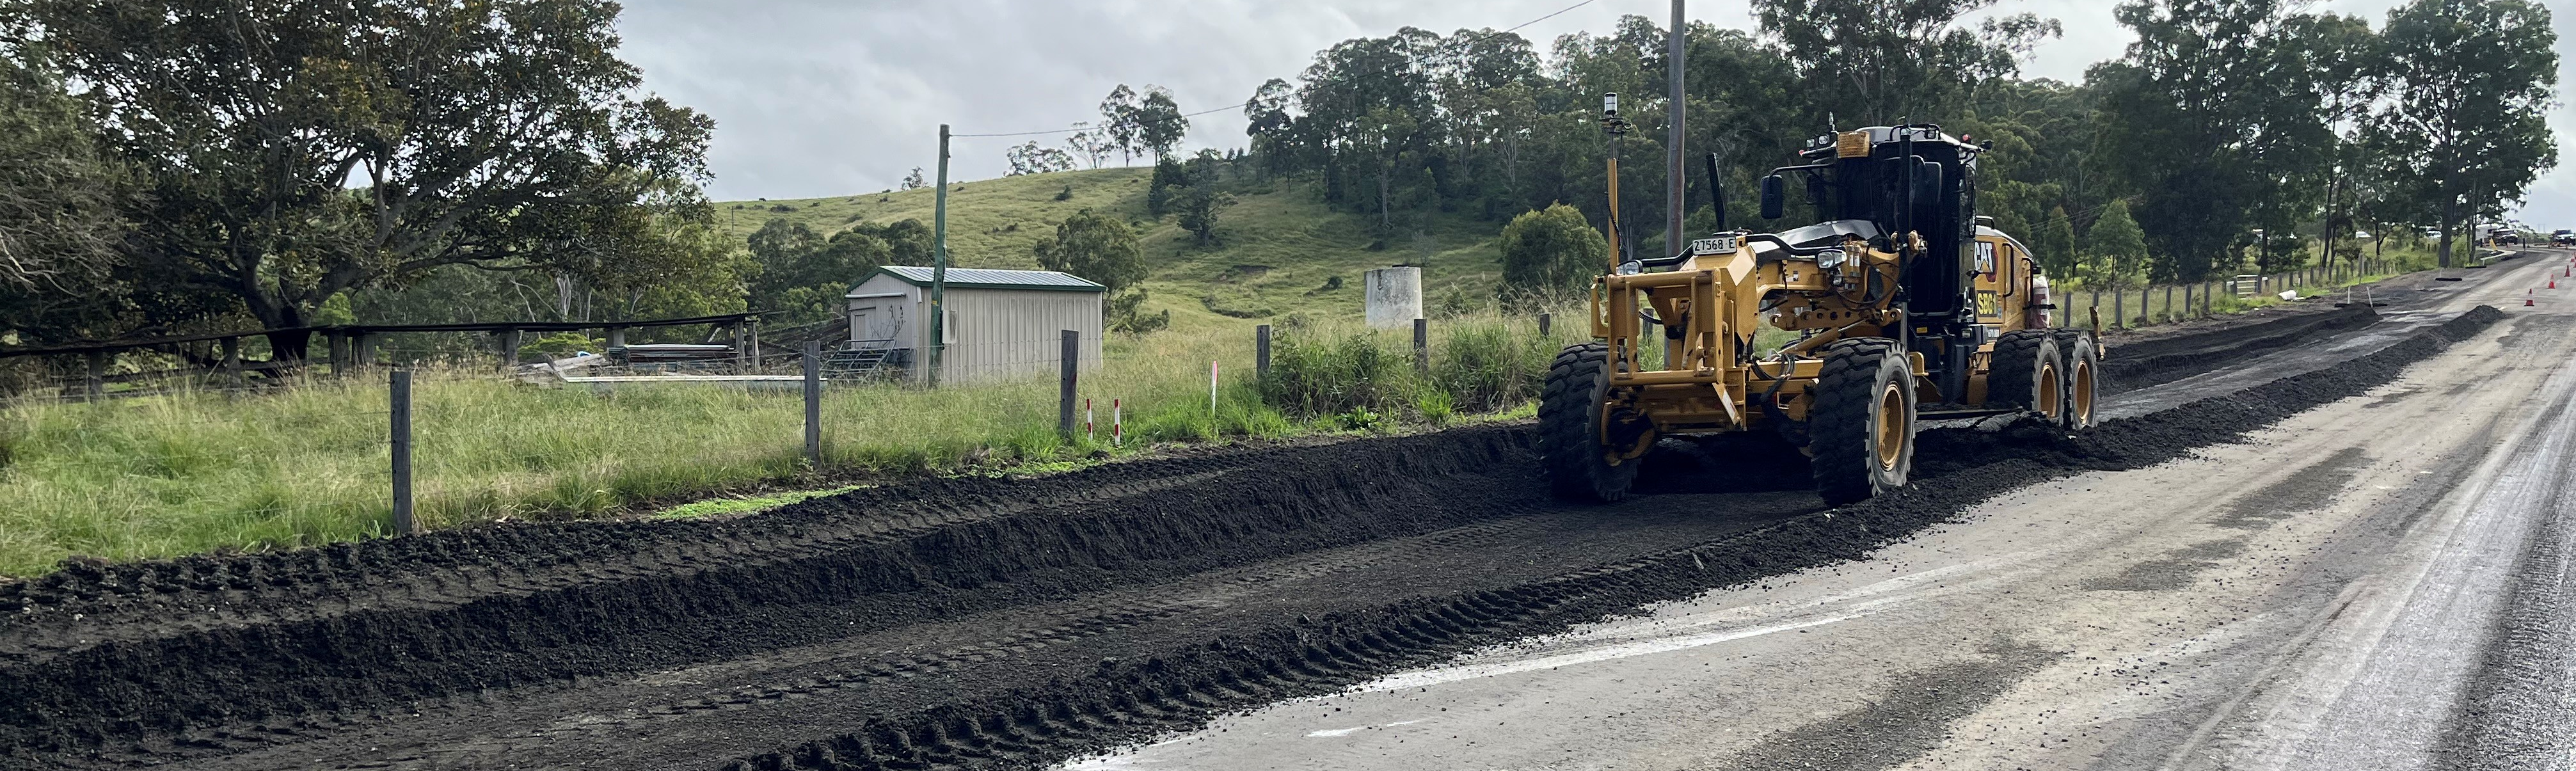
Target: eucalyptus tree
2469,85
289,152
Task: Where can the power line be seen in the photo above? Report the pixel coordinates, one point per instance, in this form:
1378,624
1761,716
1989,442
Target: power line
1299,92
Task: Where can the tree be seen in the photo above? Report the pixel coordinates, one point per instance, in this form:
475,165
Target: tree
2214,123
1095,246
1199,210
2466,129
1881,60
293,152
913,181
803,274
60,220
1552,251
1093,144
1102,248
1159,124
2055,243
1031,158
1165,188
1118,122
2115,250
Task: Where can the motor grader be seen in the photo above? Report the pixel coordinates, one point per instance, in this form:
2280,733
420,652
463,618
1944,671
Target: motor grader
1905,307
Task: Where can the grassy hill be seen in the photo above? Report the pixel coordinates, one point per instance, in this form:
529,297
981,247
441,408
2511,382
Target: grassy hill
1280,245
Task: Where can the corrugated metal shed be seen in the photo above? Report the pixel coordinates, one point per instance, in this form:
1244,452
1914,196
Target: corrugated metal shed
1001,323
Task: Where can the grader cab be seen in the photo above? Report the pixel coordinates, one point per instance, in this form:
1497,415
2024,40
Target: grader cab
1899,306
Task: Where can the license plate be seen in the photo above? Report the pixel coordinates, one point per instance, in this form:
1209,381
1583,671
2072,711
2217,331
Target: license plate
1717,245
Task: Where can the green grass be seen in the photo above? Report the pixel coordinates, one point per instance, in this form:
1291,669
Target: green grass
719,507
176,474
1279,245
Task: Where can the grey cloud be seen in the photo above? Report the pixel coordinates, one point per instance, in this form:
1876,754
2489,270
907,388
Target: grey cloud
816,98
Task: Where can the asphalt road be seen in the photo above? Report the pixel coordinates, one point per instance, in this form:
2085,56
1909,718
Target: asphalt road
2378,583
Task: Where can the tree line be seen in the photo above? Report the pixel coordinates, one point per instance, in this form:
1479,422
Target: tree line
2226,118
184,166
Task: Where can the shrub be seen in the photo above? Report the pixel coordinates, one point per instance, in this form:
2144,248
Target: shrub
1486,366
1314,374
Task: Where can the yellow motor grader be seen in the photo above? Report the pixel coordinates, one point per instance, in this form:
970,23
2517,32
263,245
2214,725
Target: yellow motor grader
1906,305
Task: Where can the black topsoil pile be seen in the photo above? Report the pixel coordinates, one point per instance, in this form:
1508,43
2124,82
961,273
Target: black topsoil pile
187,659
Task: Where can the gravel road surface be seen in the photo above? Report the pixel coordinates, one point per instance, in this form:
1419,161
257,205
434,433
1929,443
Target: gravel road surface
2380,583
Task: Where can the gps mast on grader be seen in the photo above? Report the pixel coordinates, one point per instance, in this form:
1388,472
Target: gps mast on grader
1908,307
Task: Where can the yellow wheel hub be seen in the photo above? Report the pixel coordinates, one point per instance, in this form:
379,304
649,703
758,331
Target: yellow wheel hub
1891,426
2047,398
2083,393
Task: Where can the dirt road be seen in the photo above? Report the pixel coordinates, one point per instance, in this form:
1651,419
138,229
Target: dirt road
2174,586
2376,583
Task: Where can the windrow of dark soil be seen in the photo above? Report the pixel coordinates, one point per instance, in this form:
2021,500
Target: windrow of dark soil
2143,362
1123,703
115,653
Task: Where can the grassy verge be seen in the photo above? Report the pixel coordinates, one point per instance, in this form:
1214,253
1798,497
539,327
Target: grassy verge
188,472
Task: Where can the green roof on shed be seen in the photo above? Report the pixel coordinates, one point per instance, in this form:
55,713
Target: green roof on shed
990,278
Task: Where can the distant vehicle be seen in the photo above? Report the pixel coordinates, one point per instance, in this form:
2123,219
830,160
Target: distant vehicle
2564,237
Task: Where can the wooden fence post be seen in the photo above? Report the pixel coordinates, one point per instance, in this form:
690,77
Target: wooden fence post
2119,314
1542,325
94,383
401,451
1261,352
367,350
232,368
510,340
1421,345
814,403
1071,363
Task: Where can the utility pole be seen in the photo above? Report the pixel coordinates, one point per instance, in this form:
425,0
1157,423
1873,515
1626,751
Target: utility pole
939,264
1675,178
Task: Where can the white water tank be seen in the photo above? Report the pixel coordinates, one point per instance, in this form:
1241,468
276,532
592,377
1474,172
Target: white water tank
1394,297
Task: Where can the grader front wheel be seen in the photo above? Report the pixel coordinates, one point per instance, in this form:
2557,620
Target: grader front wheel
1861,428
1577,464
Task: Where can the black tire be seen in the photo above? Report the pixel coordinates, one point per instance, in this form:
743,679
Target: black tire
2027,372
1861,422
1578,467
2083,362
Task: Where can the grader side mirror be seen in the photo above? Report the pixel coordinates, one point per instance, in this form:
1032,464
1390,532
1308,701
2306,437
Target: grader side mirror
1775,197
1927,183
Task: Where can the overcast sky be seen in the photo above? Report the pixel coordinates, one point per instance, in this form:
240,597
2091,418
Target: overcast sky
832,97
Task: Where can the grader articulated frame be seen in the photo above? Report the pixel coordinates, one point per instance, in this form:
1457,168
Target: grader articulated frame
1907,308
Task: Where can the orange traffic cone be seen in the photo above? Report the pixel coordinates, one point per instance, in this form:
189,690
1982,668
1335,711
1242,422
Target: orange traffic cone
2526,302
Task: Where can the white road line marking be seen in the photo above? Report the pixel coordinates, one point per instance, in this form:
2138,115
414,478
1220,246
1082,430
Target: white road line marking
1606,653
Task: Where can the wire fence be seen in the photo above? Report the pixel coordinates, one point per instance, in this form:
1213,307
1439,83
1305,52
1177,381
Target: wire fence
2152,304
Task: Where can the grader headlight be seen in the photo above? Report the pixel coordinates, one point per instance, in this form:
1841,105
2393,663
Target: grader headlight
1831,259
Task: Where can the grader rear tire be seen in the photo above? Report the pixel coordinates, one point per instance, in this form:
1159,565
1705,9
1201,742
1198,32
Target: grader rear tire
2083,366
1578,467
2027,372
1861,427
